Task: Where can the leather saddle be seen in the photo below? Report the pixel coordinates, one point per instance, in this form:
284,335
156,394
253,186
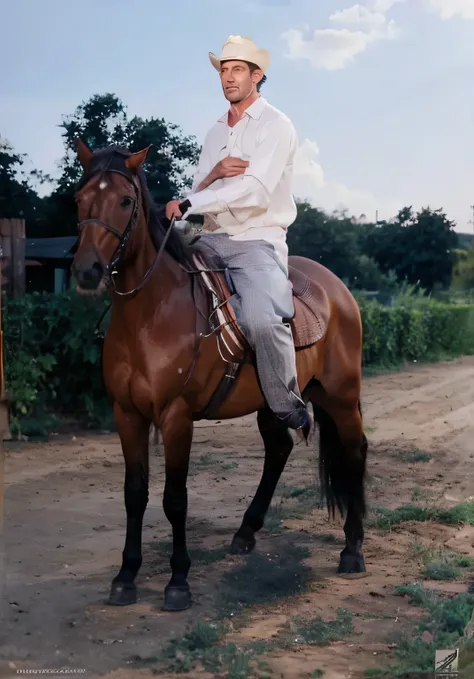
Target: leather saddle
308,325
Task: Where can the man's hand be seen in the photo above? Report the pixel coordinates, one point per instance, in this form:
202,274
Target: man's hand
229,167
172,209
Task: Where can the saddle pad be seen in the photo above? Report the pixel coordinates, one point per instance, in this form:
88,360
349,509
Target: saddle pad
308,325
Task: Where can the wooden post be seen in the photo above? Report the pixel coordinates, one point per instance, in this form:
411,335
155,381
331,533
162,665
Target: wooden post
18,257
12,237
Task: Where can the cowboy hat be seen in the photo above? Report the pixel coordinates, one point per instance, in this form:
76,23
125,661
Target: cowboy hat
239,48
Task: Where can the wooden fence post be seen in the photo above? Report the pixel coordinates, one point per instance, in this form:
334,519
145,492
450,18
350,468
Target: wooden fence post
12,240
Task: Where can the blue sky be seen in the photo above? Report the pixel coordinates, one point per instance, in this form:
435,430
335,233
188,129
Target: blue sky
380,92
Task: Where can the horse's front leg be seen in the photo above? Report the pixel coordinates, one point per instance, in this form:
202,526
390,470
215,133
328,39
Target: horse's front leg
176,428
133,431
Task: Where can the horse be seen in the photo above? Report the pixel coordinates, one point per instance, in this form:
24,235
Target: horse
160,370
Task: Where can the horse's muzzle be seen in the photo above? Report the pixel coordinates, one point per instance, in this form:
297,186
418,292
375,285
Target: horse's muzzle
88,278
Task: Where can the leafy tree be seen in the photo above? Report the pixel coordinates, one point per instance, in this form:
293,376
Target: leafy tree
419,247
17,197
329,240
336,242
463,278
101,121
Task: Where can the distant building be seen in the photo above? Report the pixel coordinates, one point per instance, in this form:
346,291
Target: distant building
48,263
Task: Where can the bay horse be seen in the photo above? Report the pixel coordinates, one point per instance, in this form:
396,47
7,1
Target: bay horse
159,369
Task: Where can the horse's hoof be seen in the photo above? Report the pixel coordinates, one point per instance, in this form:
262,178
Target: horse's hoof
177,598
351,564
122,594
241,545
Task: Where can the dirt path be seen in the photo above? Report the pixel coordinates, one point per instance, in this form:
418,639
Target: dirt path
65,527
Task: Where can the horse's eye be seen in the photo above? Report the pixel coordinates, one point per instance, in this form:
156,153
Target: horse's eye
126,202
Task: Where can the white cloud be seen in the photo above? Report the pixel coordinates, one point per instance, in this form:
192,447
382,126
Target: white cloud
335,48
359,15
450,9
311,184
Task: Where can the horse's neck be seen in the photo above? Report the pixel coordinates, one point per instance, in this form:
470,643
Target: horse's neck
166,278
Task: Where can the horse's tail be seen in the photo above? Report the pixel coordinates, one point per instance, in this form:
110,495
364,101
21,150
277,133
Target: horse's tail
341,471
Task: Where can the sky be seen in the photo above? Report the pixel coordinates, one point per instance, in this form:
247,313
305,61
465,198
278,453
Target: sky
380,92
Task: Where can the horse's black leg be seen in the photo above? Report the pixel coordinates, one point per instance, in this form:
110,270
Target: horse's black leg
177,432
343,452
133,431
278,445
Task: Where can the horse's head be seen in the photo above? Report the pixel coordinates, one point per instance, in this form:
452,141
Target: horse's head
109,203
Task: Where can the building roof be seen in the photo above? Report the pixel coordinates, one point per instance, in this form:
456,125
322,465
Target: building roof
50,248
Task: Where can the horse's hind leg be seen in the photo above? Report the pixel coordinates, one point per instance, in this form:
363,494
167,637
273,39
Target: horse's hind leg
343,452
278,445
133,431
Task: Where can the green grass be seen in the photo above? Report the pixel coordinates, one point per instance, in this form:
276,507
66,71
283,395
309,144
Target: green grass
205,644
202,645
414,455
441,570
389,518
445,618
319,632
227,466
293,503
441,564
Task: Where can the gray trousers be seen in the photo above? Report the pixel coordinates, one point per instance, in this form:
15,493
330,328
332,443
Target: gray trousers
264,298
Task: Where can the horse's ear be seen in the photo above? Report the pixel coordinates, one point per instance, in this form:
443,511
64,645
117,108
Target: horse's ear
134,161
84,153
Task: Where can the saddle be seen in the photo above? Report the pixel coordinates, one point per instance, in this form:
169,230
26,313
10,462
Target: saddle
308,325
213,298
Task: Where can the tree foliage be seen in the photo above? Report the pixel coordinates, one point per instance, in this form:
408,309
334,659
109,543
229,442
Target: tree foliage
102,121
17,197
418,246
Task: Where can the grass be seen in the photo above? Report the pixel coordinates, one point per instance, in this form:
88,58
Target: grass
445,618
441,570
440,564
202,645
414,455
319,632
389,518
205,644
295,503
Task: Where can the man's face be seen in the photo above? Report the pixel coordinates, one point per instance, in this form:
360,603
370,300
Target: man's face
237,81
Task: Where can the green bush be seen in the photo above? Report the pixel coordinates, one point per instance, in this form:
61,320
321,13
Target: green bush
53,355
415,330
53,359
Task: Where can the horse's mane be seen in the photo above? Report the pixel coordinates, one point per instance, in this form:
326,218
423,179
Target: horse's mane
112,159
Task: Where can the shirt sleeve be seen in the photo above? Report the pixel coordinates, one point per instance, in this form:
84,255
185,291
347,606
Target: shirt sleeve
204,166
254,188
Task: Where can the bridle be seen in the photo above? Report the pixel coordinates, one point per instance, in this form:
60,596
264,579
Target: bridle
123,237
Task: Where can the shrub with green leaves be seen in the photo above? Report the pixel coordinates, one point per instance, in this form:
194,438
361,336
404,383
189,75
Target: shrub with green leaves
53,358
415,329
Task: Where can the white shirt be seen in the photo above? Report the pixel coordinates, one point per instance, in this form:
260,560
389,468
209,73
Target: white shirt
258,204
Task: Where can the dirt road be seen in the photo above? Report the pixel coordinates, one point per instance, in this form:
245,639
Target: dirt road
65,528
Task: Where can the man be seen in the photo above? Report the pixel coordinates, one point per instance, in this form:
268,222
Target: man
243,189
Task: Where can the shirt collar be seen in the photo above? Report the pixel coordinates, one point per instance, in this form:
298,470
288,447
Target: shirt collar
255,110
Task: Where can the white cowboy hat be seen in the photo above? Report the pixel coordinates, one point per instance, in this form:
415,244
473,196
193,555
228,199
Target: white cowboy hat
239,48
